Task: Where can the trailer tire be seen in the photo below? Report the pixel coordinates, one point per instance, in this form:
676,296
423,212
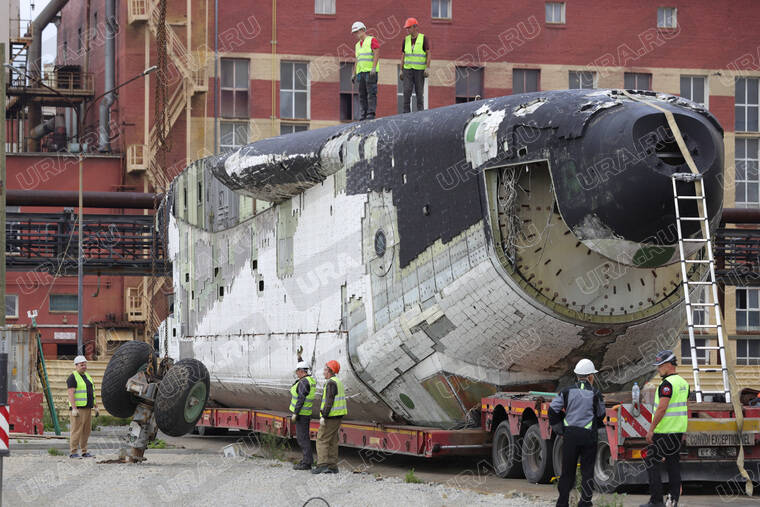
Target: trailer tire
536,456
505,452
606,476
128,359
182,396
559,441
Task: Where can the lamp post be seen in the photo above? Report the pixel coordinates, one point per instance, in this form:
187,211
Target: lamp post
80,256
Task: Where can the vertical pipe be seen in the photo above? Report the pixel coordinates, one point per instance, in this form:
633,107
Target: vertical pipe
109,83
2,189
80,258
216,76
274,67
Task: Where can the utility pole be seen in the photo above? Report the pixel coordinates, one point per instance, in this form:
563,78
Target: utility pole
4,451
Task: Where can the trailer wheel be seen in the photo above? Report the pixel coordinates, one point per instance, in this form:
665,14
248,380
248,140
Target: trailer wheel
536,456
606,477
505,452
128,359
181,397
557,455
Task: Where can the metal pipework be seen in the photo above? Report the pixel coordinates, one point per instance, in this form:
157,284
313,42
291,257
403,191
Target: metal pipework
131,200
104,143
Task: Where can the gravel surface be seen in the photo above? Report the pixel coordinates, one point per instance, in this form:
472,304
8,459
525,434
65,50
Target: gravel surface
188,478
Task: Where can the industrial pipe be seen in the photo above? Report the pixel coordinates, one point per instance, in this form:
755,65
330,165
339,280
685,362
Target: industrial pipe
741,216
42,129
131,200
104,136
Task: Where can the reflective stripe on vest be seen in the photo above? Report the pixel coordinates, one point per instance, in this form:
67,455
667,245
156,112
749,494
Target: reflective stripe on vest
308,403
339,404
80,392
588,426
676,418
414,57
365,55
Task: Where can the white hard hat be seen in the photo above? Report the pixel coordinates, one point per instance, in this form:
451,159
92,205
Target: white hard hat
357,26
585,367
80,359
302,365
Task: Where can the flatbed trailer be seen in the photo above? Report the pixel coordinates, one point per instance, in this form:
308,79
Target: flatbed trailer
515,433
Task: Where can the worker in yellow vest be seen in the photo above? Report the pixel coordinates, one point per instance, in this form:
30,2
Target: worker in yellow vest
365,69
415,64
81,391
331,415
302,394
669,421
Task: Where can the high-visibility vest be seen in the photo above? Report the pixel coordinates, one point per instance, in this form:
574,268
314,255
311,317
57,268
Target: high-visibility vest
80,393
309,402
582,385
414,57
365,55
339,404
676,417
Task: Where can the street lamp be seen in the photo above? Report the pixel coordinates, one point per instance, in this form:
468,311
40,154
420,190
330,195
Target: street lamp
80,256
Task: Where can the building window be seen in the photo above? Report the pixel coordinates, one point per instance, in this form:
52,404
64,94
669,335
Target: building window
686,351
699,313
746,104
469,84
400,94
441,9
555,12
582,79
524,80
324,6
294,90
11,306
694,88
234,134
746,161
291,128
349,96
747,309
637,81
234,88
666,17
63,303
747,352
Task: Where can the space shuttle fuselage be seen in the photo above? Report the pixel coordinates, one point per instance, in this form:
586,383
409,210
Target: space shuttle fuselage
443,255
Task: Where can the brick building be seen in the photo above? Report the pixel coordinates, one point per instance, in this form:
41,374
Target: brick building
279,67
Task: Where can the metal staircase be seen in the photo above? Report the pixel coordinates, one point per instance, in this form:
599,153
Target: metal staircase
711,295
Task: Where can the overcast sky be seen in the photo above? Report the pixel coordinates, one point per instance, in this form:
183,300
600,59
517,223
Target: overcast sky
48,35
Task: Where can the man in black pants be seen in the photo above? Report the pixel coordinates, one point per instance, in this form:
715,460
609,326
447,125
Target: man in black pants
584,413
302,394
415,64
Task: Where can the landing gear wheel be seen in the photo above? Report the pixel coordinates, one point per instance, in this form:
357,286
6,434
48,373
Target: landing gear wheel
536,456
557,455
606,476
505,452
128,359
181,397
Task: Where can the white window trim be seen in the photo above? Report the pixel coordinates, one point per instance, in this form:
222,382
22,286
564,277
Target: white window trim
747,310
561,14
746,180
746,105
233,88
15,315
702,354
451,14
334,8
233,122
675,17
294,124
706,90
747,358
308,89
594,75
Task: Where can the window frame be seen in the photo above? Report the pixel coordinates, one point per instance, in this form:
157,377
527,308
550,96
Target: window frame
562,13
525,71
636,77
705,88
294,90
15,304
470,98
450,4
745,104
703,356
673,11
234,89
294,127
317,5
355,106
747,360
747,310
400,94
50,304
234,123
580,74
745,161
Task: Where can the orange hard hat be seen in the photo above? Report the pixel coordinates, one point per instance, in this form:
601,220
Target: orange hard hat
334,366
410,22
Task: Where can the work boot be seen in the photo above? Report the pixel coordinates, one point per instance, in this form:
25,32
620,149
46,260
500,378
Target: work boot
650,504
88,455
371,116
74,455
301,466
321,469
332,470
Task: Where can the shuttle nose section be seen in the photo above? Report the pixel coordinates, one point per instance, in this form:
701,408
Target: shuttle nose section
616,192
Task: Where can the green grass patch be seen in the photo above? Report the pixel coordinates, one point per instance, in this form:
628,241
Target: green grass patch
109,420
273,447
157,444
411,478
54,452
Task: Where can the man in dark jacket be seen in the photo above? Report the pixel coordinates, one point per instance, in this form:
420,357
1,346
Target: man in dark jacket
583,407
302,394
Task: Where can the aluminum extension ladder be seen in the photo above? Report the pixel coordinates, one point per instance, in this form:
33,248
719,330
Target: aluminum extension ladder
712,293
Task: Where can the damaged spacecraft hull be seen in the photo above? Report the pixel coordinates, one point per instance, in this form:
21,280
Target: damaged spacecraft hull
439,256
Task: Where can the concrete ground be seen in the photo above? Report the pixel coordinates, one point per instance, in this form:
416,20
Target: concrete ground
194,472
